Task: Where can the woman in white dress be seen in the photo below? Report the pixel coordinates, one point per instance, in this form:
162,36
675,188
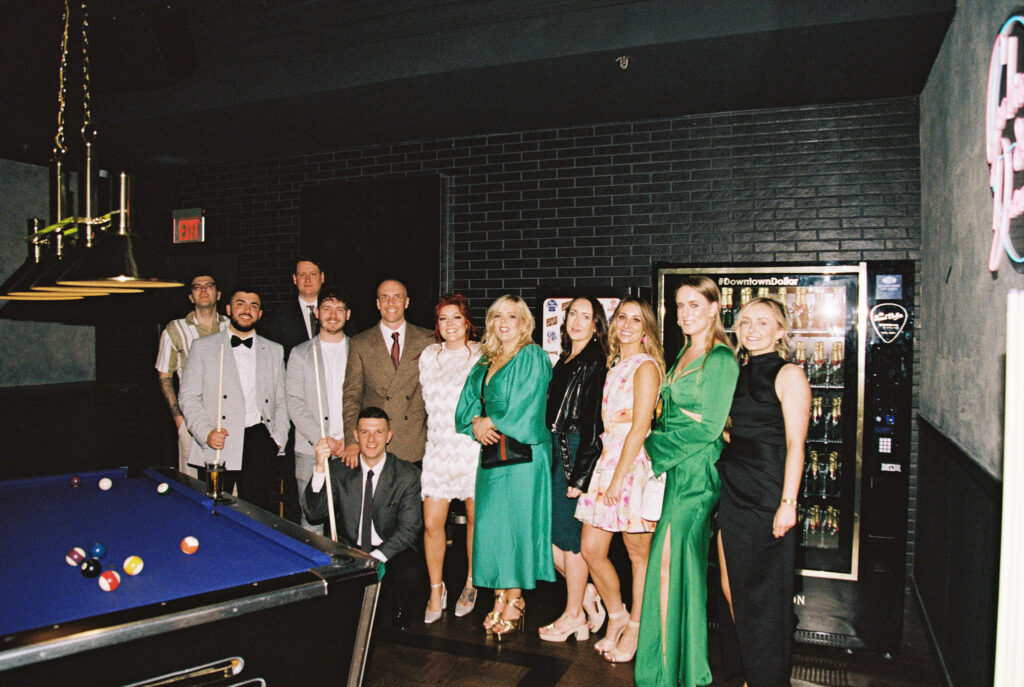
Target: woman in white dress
450,459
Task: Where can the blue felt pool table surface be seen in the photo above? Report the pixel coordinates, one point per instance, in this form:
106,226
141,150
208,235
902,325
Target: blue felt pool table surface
41,519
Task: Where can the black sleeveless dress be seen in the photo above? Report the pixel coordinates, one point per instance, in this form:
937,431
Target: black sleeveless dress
760,567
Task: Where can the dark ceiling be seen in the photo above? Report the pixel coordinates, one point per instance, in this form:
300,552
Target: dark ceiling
187,81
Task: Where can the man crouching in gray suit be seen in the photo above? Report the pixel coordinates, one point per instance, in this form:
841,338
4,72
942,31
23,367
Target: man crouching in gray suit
240,374
377,507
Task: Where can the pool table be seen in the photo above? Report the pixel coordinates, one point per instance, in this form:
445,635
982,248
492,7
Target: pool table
261,598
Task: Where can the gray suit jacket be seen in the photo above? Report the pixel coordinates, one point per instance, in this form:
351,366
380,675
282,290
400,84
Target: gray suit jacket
300,388
197,396
397,508
372,380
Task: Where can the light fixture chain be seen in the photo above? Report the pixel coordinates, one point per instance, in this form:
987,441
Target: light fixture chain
86,115
62,88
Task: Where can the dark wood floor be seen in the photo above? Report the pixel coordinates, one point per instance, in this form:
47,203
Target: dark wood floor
454,651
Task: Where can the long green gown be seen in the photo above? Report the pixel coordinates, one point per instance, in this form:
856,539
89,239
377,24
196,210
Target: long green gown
512,537
687,451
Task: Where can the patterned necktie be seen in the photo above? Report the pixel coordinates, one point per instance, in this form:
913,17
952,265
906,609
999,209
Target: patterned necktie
394,349
314,324
365,535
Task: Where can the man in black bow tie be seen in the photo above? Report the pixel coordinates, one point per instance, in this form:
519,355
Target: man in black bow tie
241,374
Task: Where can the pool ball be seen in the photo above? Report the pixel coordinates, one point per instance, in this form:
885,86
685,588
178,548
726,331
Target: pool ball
132,565
189,544
163,488
75,556
91,567
109,580
75,481
106,483
97,550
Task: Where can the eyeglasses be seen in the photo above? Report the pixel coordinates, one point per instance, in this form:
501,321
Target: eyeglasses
206,286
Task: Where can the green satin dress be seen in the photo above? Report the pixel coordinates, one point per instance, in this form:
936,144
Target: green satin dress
687,451
512,537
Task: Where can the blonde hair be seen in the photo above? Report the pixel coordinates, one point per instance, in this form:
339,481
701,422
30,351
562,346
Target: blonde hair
650,343
708,289
490,345
781,318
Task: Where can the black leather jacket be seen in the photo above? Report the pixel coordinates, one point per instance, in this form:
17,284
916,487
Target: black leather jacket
579,410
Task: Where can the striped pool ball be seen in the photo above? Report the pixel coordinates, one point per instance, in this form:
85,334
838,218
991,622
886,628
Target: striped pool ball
75,557
109,580
133,565
189,544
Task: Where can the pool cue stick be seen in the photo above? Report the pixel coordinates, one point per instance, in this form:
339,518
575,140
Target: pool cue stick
220,392
323,434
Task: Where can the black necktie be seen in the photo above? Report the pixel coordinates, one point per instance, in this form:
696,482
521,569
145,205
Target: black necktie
314,324
235,341
365,536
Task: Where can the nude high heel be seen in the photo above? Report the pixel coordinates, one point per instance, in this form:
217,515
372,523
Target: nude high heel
617,655
595,620
610,640
430,616
551,633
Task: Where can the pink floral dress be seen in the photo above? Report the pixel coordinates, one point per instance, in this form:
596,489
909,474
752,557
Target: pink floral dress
617,415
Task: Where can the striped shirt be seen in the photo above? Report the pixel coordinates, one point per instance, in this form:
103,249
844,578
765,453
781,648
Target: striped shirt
177,338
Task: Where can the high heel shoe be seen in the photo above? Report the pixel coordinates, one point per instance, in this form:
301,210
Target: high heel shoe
506,628
430,616
590,596
551,633
495,615
617,655
610,639
467,599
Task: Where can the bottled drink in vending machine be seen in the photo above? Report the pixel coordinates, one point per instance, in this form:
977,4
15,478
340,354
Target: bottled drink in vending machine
816,368
727,312
811,471
746,293
782,297
800,355
834,374
816,428
833,486
763,292
798,310
834,421
812,308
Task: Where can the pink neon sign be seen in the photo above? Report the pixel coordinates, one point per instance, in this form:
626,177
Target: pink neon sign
1005,156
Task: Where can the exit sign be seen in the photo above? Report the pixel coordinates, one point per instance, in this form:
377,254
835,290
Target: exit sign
189,225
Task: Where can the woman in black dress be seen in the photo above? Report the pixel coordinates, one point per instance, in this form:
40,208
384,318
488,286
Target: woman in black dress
760,469
574,416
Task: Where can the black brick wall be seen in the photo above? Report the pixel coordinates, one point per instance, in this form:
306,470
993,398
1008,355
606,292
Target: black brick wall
587,206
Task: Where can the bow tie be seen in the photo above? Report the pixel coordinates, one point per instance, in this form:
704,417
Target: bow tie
235,341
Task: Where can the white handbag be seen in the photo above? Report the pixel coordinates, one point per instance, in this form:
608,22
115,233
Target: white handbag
653,498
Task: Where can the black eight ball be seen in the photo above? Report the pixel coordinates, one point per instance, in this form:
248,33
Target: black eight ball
91,567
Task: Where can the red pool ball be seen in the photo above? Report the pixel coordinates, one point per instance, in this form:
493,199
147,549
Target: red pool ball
75,481
109,580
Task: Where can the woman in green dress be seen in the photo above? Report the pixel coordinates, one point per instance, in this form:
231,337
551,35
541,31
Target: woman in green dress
685,443
512,538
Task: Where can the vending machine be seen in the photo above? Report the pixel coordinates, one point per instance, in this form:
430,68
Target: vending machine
852,334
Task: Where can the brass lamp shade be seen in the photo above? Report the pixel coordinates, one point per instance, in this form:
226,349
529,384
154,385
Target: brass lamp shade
118,260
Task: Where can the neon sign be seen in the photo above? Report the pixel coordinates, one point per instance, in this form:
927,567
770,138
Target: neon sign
1005,156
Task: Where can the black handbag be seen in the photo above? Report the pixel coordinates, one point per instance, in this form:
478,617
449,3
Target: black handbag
505,451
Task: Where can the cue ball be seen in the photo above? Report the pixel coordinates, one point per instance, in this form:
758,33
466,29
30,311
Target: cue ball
97,550
75,481
189,544
163,488
75,557
109,580
91,567
132,565
105,483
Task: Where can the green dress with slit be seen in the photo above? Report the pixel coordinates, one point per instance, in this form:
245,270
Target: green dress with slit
687,451
512,535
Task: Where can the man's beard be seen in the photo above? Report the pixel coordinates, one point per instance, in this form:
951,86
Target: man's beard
242,328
